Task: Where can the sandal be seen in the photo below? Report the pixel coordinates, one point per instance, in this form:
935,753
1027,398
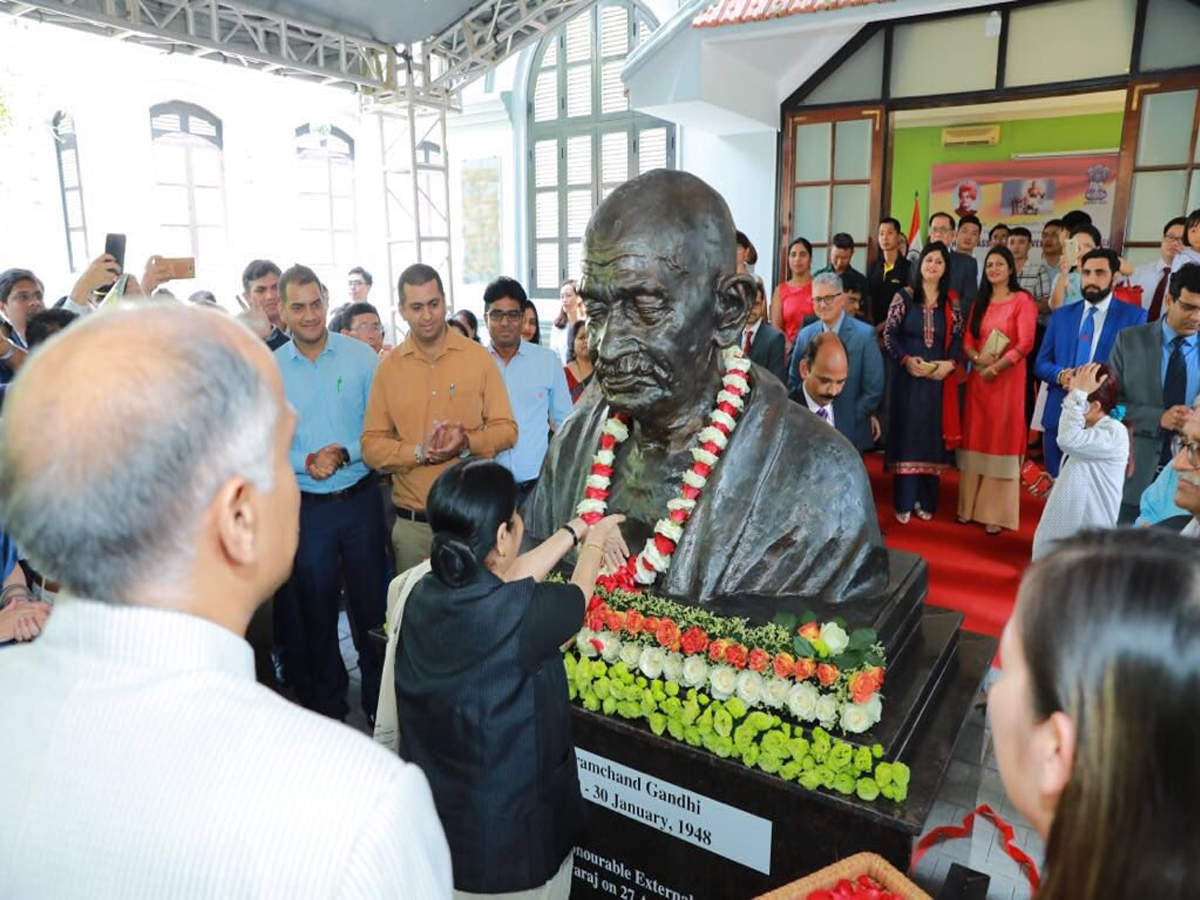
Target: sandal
993,530
903,517
922,514
961,521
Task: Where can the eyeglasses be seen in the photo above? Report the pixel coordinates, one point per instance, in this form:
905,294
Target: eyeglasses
499,315
369,327
1178,445
357,284
828,298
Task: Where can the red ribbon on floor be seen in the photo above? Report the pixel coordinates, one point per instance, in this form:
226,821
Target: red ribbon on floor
951,832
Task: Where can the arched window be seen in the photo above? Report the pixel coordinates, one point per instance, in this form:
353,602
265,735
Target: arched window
70,184
583,138
189,189
325,182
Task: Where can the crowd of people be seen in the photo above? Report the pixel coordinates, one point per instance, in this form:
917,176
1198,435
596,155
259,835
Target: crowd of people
199,468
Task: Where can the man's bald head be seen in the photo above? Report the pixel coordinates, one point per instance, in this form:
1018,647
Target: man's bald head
117,435
825,368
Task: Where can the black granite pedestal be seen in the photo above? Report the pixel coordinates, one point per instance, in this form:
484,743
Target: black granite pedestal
669,820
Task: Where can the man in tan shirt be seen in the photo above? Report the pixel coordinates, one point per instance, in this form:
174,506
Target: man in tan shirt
436,398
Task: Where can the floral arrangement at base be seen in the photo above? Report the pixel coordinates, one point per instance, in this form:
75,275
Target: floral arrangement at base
731,730
833,679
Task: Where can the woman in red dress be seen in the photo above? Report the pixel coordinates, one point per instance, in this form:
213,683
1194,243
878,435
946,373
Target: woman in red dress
995,428
579,367
792,300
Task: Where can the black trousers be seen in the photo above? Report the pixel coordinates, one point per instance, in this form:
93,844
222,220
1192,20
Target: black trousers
340,541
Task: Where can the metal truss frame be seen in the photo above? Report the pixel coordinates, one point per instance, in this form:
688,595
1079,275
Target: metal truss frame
492,31
230,31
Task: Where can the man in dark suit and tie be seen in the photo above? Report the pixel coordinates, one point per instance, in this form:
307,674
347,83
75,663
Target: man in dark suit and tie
964,270
761,341
1158,365
1078,334
855,407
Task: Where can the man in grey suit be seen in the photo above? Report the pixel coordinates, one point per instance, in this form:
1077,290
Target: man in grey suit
761,341
964,270
1158,366
855,407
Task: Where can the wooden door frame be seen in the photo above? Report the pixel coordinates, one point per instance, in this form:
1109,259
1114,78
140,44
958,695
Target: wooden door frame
786,182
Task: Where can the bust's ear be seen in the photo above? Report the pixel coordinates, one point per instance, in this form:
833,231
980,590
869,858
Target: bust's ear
735,297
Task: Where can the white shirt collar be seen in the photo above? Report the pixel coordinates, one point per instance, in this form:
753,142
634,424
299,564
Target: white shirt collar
752,330
813,405
139,635
1101,307
837,326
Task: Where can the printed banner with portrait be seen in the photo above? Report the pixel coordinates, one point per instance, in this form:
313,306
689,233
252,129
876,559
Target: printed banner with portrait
1027,192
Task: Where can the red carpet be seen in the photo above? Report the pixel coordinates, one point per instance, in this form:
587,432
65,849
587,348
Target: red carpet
968,570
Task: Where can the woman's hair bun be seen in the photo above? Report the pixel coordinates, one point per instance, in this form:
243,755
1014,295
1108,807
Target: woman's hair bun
452,560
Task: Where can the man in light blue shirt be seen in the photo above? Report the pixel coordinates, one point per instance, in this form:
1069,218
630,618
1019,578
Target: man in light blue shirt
327,379
534,377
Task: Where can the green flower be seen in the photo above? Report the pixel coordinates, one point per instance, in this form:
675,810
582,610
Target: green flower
672,689
787,729
703,698
841,755
826,775
609,705
721,746
877,751
798,747
601,687
808,763
750,754
675,727
759,721
883,774
775,743
569,665
649,704
591,702
722,722
843,783
900,774
819,750
867,789
768,762
572,692
672,707
744,735
863,760
735,707
691,711
641,681
811,779
627,709
692,736
705,722
658,723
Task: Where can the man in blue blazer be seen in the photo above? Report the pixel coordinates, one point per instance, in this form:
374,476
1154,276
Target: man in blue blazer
1081,333
855,407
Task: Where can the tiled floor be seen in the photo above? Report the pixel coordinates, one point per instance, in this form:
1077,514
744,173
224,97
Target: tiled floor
972,779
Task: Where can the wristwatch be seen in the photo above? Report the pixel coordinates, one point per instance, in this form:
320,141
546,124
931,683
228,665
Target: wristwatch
465,453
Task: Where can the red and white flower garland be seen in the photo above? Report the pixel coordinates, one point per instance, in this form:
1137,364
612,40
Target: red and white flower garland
655,557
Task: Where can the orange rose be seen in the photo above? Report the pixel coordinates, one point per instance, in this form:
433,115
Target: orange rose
633,622
810,631
613,620
649,625
827,674
805,668
784,665
862,686
736,656
694,640
759,659
667,634
716,650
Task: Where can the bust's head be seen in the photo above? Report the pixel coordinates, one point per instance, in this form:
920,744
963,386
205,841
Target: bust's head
661,292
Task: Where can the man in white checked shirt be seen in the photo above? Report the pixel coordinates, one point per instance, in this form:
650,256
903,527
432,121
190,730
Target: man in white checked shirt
141,757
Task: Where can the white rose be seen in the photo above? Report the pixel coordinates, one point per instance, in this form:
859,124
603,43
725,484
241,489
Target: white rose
723,681
875,707
612,646
827,710
605,457
672,668
750,687
631,652
651,661
775,693
583,642
856,718
835,638
802,701
695,671
691,479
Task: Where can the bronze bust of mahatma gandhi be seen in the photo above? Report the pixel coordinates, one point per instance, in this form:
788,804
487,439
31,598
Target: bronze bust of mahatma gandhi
786,515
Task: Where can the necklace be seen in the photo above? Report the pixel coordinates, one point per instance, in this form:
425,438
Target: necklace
711,441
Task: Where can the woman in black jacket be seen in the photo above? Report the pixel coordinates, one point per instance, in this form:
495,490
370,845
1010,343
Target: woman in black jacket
480,684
